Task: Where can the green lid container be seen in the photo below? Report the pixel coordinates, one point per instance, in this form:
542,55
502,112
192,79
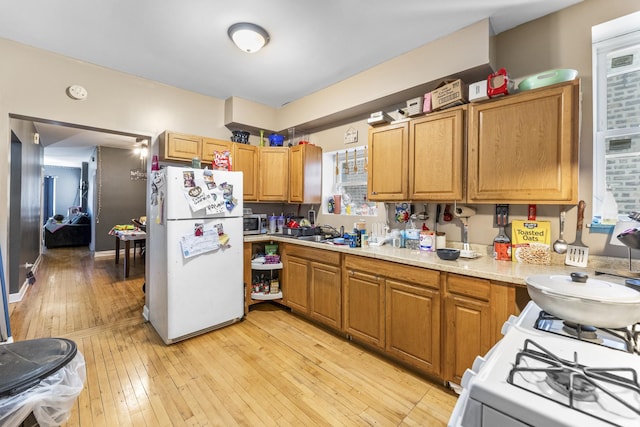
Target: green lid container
547,78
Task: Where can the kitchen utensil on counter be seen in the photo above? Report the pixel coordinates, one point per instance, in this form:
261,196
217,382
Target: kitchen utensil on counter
366,159
578,252
355,161
464,212
447,213
502,243
346,162
560,245
631,238
448,254
585,301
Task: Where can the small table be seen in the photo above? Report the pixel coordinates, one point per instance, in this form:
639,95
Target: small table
127,236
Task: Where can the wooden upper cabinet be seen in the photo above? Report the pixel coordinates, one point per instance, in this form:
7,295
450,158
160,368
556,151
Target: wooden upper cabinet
180,147
436,156
245,160
211,145
523,148
273,170
388,159
305,174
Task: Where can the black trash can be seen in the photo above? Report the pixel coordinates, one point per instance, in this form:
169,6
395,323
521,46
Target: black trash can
39,379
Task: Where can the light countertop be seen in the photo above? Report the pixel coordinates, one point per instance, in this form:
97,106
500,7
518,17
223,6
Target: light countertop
483,267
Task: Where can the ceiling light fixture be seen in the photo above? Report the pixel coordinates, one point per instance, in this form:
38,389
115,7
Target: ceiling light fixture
248,37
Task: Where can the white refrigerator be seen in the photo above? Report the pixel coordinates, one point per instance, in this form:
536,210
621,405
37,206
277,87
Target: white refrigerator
194,278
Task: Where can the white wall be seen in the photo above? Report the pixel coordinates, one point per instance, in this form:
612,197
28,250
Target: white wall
33,83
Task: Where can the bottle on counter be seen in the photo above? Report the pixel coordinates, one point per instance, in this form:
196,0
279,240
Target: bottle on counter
502,243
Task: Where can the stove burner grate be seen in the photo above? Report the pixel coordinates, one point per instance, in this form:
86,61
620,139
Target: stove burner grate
575,381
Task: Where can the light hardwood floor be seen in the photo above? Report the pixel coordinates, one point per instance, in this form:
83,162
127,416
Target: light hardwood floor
273,368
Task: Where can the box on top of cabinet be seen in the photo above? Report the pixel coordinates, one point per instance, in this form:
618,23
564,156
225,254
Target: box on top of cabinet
478,91
426,105
449,94
414,106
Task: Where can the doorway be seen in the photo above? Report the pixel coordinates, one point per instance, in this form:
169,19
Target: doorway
68,143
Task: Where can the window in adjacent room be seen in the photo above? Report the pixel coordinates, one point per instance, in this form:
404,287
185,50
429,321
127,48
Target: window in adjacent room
616,124
347,177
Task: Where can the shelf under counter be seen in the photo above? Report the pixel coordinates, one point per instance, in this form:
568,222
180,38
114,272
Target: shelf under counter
266,297
266,266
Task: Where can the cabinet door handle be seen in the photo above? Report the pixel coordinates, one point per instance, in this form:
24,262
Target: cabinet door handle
374,193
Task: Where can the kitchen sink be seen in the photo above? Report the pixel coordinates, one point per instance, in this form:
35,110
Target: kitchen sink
315,238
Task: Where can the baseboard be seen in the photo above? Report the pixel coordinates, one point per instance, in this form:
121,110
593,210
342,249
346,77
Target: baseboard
104,254
16,297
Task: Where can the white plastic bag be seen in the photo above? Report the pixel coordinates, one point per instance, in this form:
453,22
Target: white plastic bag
50,400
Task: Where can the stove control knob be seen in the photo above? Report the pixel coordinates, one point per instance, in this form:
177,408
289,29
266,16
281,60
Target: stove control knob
511,321
466,378
477,363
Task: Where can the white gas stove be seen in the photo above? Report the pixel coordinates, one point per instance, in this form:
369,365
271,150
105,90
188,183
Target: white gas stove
541,374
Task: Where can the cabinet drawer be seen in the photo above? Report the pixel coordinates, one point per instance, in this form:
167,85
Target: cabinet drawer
414,275
319,255
469,286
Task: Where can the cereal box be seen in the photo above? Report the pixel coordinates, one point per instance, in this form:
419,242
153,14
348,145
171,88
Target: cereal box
531,242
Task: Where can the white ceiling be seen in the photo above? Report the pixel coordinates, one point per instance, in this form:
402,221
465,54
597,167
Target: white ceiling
313,45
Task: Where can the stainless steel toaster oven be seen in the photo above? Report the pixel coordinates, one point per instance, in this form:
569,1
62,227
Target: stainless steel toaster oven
254,223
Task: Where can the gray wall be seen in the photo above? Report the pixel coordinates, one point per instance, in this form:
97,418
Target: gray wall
118,199
67,187
25,233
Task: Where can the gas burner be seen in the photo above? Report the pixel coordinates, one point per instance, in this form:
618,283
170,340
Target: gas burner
602,393
624,339
565,382
586,332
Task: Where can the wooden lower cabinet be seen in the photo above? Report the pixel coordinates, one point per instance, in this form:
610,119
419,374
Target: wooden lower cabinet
396,309
433,321
312,283
246,273
325,291
474,312
413,325
364,307
295,287
467,334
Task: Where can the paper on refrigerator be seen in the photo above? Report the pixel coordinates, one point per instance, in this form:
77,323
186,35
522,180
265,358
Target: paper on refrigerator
193,245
